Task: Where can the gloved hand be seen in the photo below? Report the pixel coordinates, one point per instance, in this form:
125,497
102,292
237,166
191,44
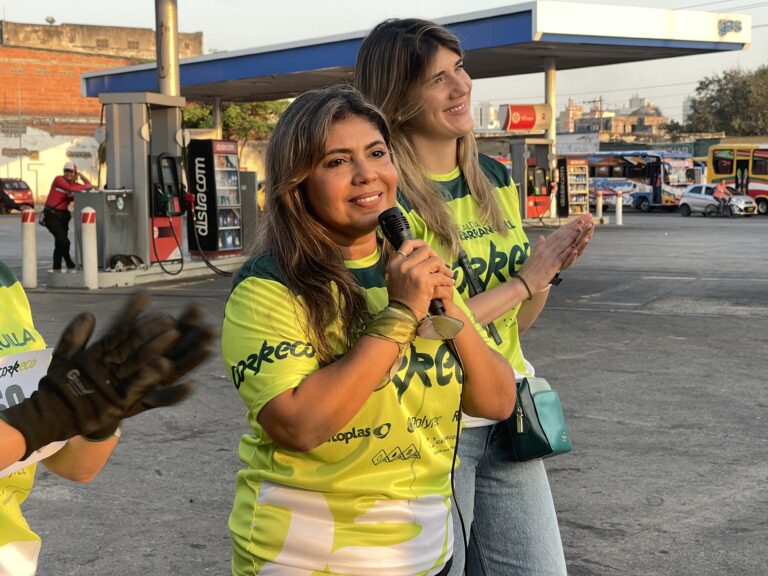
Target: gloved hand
188,353
88,389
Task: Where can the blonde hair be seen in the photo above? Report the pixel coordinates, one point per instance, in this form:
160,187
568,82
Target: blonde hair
309,261
390,71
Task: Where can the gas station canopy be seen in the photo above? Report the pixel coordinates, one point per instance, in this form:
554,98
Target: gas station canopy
503,41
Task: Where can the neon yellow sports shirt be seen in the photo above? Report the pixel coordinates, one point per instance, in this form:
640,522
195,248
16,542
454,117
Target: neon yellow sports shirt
374,498
494,257
18,544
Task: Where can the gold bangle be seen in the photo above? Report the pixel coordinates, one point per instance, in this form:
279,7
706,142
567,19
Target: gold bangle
396,323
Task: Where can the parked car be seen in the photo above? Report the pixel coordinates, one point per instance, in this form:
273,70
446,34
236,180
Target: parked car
699,198
14,192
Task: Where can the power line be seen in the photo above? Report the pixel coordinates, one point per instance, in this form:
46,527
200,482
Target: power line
748,6
730,8
703,4
626,89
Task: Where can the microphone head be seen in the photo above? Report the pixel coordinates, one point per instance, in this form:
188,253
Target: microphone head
395,227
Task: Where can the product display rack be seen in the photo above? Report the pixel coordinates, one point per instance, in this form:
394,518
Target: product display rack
578,186
228,193
213,173
573,186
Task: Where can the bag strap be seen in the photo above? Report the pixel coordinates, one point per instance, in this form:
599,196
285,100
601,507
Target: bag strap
475,287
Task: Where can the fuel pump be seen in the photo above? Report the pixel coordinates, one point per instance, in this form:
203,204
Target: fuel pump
531,156
166,185
167,204
143,131
528,162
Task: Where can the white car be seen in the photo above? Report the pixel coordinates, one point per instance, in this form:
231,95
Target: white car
699,198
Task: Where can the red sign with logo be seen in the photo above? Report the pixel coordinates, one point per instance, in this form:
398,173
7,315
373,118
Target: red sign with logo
525,117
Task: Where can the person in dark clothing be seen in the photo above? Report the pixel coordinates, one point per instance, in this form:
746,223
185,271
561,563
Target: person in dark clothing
7,203
57,213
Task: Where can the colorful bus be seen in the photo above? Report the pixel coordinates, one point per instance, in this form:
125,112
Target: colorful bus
645,178
744,167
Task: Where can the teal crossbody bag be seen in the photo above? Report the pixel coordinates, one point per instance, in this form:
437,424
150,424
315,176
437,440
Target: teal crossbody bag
537,427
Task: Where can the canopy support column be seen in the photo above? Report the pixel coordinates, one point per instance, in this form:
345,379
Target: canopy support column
217,123
549,98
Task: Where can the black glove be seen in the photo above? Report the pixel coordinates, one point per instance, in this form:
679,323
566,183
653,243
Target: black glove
88,389
188,353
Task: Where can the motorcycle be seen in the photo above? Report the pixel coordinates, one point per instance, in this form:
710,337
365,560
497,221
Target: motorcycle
727,209
739,205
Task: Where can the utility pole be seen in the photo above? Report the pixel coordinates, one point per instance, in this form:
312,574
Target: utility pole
597,108
18,109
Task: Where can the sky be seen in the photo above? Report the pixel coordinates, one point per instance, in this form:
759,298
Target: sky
242,24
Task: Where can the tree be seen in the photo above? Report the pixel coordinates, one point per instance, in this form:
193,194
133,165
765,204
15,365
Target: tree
241,122
251,120
198,115
675,130
733,102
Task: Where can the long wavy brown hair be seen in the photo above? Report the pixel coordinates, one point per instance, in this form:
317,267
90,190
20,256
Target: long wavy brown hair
390,71
310,262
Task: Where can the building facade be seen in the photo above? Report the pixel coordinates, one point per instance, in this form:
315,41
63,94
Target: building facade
638,122
135,43
44,121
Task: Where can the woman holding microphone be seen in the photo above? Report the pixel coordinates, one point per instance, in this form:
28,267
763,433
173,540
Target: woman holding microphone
465,206
353,415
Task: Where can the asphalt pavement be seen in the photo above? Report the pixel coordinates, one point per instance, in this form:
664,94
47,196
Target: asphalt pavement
656,341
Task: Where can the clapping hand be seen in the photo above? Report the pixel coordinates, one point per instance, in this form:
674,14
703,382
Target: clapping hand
135,367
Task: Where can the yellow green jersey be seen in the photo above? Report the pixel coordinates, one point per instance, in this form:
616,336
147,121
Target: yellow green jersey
19,546
375,497
494,256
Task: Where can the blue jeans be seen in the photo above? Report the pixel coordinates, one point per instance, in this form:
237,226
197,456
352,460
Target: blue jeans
507,509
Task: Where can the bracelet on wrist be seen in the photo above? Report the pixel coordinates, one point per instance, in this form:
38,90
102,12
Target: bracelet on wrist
556,279
396,323
527,289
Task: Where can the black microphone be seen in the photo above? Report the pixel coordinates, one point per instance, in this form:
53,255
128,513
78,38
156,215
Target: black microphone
397,230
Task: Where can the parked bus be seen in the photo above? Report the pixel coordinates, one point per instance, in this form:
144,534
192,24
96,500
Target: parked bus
645,178
744,167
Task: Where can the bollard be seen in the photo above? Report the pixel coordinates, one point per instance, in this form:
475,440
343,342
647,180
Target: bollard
599,207
28,249
619,208
90,253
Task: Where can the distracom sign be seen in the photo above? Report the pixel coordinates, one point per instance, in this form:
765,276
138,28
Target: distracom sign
525,117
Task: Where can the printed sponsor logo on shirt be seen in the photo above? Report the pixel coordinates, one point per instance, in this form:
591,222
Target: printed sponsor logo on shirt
397,454
414,365
417,365
474,230
498,263
15,340
381,432
269,354
17,368
442,444
423,422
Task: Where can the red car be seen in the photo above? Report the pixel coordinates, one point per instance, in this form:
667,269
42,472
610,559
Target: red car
14,193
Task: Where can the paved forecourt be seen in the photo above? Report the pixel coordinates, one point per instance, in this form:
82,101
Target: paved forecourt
655,341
